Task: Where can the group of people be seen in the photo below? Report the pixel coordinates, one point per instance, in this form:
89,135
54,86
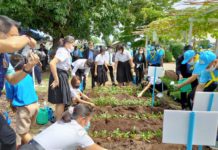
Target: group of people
24,100
121,62
200,70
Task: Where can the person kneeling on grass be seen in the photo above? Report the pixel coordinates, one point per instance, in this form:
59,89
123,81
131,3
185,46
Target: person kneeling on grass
67,134
159,85
24,99
76,94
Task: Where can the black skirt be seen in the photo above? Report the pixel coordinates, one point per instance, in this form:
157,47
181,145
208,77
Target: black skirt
101,74
124,72
60,94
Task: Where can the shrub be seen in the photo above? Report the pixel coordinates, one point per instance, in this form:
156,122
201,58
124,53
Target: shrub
176,49
168,56
204,43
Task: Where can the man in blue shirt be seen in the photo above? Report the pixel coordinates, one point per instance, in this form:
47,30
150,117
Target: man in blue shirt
23,99
154,58
203,69
186,71
208,66
90,54
11,42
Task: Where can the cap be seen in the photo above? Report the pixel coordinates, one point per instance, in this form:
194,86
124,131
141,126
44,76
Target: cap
205,59
188,55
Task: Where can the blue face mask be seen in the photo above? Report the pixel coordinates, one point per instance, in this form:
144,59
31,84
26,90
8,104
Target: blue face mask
87,127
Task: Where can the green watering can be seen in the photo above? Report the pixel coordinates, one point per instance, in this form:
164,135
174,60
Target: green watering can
42,116
185,88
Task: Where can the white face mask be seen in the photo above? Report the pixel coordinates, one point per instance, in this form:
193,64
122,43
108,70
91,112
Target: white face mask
110,50
211,69
71,49
191,62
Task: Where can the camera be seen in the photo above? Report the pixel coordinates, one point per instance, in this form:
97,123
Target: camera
36,34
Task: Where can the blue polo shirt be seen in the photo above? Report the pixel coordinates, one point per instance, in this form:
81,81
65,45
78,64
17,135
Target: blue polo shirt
205,76
155,59
196,71
91,55
22,93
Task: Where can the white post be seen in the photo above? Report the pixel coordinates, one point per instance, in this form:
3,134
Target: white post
190,31
216,47
146,41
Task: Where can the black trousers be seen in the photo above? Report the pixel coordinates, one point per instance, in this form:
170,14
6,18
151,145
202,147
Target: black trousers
111,70
184,99
139,74
210,88
7,136
93,76
184,96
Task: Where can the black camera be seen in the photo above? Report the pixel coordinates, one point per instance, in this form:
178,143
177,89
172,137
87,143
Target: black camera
36,34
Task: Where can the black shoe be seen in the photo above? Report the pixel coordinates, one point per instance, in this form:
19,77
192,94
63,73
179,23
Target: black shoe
114,84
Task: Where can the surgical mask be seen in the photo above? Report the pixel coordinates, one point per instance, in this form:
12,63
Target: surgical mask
211,69
71,49
191,63
87,127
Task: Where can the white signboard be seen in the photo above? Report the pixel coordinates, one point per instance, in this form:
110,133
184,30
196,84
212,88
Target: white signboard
201,101
159,71
176,127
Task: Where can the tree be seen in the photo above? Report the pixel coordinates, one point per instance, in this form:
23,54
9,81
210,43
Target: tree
81,18
141,13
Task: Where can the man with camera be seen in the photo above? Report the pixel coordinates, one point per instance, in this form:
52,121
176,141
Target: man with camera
10,41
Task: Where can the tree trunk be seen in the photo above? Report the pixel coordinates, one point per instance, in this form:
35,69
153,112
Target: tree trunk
216,46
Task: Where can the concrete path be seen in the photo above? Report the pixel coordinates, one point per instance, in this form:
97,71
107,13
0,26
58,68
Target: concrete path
170,66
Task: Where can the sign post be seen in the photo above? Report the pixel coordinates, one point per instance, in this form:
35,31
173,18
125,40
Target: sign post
155,72
204,101
192,127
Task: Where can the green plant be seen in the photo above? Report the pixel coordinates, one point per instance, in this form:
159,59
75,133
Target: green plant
118,134
168,56
112,101
176,49
138,116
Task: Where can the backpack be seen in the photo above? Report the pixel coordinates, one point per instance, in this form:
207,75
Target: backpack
4,60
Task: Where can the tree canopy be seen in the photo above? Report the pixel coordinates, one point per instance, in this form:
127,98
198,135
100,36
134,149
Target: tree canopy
85,18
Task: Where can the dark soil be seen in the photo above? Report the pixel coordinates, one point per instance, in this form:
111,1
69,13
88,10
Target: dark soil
128,110
127,125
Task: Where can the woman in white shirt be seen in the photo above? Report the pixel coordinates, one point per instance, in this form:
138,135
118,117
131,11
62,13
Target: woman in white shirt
59,89
123,65
68,134
101,68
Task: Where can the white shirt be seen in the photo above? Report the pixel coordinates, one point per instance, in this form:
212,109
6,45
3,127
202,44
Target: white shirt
74,92
64,136
100,59
64,56
109,58
80,64
123,57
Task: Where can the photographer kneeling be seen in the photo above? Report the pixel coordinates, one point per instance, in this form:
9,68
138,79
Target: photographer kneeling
67,134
